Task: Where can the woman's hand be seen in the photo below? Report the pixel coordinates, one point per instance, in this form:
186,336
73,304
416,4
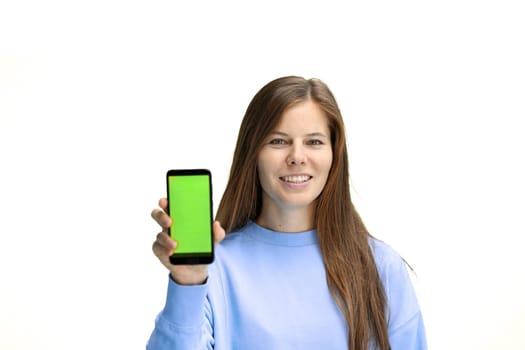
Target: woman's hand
164,245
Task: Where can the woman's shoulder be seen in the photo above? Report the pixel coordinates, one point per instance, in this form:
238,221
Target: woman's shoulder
385,256
237,236
405,323
236,240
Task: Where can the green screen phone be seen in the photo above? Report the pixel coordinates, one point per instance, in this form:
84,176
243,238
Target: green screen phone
191,210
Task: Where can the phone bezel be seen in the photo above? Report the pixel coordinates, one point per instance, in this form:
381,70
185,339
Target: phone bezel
196,258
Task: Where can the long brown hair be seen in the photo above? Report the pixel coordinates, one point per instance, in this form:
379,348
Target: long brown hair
351,271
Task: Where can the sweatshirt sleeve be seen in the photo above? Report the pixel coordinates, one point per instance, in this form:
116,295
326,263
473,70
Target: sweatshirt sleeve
406,329
186,321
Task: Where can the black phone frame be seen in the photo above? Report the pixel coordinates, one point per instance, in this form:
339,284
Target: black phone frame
196,258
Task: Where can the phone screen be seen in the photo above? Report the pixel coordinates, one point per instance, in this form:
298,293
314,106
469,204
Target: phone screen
190,208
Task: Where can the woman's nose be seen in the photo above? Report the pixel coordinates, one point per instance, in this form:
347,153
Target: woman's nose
296,156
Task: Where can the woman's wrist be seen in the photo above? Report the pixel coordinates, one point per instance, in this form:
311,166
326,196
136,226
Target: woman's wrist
192,280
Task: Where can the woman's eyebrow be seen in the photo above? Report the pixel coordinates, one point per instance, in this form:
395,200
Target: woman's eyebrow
280,133
316,134
312,134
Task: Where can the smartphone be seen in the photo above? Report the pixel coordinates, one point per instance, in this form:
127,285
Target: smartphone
190,207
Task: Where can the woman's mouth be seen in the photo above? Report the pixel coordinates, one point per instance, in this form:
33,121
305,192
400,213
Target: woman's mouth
295,179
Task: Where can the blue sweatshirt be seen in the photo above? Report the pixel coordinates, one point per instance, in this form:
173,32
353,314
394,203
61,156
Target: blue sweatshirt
267,290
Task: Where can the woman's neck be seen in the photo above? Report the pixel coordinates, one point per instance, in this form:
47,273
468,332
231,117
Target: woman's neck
290,220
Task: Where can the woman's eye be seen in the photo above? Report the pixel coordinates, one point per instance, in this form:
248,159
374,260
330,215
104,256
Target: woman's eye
315,142
277,142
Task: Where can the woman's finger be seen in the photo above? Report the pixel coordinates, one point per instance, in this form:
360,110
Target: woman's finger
163,245
161,218
218,232
163,203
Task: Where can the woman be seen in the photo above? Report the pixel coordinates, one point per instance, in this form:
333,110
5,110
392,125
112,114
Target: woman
297,268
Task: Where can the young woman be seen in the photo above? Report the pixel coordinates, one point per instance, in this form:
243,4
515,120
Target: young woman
295,267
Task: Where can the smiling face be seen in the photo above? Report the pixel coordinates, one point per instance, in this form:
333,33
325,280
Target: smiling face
295,160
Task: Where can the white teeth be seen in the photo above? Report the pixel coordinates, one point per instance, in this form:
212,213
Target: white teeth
296,178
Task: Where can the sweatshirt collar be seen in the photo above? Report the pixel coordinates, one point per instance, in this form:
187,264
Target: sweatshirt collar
297,239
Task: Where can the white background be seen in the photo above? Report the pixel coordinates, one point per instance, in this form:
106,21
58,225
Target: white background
99,98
